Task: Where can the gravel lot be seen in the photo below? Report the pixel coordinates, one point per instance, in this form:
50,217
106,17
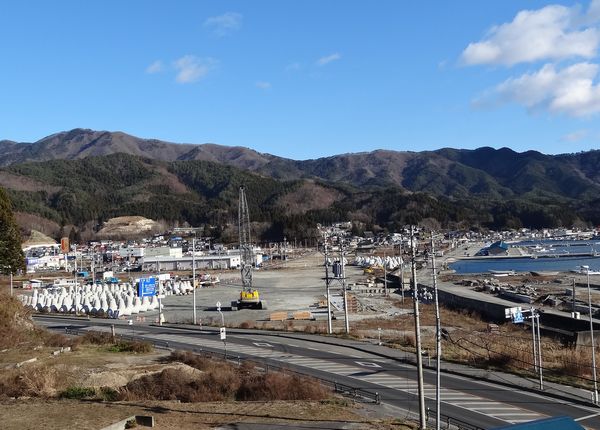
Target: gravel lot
293,286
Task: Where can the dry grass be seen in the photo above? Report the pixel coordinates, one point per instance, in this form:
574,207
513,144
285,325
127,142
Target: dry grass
35,381
279,386
509,348
220,381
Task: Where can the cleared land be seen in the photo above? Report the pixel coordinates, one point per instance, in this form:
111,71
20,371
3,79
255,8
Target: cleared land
92,381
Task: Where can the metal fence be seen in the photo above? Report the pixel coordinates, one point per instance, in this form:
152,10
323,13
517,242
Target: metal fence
337,387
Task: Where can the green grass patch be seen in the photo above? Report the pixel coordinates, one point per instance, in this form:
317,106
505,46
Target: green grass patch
79,393
131,346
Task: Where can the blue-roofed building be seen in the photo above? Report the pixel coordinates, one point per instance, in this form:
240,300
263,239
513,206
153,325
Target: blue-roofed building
497,248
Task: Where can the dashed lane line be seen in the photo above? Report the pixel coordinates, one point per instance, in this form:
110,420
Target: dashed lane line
471,402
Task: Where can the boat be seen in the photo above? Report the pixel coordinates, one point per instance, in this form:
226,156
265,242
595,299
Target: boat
545,273
502,272
585,270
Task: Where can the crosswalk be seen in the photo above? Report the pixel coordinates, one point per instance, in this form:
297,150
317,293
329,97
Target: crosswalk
371,372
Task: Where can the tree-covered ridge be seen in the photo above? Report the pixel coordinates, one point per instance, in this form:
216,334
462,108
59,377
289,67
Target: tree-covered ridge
206,193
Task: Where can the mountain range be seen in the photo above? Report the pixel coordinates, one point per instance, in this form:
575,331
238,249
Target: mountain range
455,176
497,173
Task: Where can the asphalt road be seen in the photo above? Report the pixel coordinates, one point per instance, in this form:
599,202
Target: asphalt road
481,404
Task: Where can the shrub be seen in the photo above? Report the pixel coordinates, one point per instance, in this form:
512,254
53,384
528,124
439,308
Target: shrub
97,338
220,381
78,393
279,386
194,360
132,346
172,384
58,340
35,381
248,324
109,394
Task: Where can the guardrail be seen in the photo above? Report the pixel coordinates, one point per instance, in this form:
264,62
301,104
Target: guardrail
337,387
343,389
454,423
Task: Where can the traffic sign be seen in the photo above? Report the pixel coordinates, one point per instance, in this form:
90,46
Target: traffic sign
147,287
222,333
514,314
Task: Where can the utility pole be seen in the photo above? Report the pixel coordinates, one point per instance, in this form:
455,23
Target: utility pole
595,399
401,271
347,323
329,326
573,295
160,314
76,289
422,416
385,291
539,338
194,274
438,339
535,355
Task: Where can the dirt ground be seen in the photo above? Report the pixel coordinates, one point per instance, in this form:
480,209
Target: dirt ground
24,414
97,366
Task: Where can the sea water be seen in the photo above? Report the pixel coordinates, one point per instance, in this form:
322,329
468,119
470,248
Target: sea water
546,260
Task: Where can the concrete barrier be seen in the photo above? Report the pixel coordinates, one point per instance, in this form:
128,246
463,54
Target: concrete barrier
139,420
31,360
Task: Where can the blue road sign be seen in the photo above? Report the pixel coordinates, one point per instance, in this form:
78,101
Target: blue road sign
518,317
147,287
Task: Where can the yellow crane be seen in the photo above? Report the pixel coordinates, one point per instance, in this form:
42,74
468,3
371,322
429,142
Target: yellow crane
249,296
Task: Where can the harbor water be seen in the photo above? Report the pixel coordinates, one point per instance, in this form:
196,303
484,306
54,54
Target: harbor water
520,264
538,256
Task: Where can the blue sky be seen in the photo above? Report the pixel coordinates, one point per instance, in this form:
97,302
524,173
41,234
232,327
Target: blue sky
306,78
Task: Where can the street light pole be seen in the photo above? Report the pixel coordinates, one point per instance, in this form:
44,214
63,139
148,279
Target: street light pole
592,338
194,274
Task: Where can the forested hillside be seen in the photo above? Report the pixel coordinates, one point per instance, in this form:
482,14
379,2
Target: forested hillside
88,191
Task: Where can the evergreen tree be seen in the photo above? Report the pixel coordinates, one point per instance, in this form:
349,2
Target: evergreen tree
11,255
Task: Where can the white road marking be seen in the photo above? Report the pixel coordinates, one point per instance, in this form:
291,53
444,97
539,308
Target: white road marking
268,345
467,401
587,417
367,364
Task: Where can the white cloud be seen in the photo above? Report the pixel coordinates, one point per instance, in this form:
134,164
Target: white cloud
569,91
328,59
593,12
551,33
191,68
263,85
292,67
575,136
225,24
155,67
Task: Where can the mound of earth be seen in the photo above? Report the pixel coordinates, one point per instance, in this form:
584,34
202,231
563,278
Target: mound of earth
128,226
38,238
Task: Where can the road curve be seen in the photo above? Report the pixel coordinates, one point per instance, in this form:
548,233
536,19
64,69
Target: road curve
480,404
